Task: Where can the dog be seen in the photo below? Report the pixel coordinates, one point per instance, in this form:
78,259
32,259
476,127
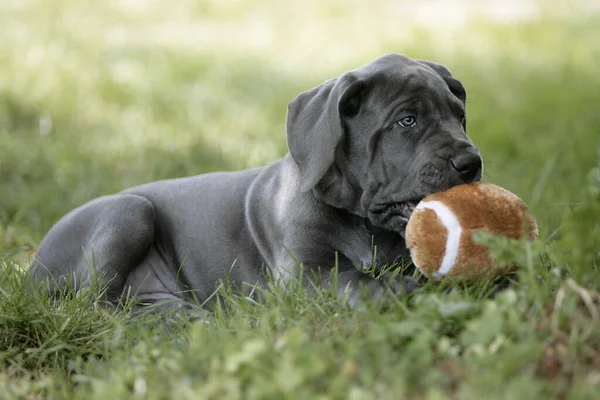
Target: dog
364,148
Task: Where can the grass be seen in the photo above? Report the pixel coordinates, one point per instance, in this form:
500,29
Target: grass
99,96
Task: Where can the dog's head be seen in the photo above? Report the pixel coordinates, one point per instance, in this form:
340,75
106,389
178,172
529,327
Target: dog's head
378,139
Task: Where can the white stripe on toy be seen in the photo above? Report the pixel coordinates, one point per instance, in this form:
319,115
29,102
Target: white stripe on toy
454,232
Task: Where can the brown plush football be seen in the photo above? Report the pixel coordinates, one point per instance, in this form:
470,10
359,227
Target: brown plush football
439,234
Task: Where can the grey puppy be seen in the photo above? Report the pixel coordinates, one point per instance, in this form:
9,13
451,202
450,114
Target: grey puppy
364,148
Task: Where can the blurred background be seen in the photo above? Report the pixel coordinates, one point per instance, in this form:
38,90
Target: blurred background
96,96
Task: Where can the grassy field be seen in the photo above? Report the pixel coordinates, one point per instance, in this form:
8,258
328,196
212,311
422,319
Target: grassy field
99,96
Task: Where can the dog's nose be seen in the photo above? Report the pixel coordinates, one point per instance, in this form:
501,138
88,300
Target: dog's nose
468,165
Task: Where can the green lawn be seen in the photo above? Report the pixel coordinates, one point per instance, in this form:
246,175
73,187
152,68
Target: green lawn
96,96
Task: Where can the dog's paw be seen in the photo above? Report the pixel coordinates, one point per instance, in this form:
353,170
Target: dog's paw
402,285
382,291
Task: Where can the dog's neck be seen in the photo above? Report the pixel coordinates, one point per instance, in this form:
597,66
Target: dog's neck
391,244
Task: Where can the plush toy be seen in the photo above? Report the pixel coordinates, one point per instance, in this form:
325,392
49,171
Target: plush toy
439,234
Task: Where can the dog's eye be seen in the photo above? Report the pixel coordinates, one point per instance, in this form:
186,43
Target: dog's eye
407,122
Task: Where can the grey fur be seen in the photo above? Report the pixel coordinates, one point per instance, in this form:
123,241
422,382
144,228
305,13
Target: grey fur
337,192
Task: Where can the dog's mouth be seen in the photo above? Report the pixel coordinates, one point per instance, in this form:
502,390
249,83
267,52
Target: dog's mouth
405,209
393,216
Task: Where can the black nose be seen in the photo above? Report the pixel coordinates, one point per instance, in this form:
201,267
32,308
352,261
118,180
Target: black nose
468,165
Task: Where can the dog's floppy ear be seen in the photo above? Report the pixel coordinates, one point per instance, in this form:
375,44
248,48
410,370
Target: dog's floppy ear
315,127
454,84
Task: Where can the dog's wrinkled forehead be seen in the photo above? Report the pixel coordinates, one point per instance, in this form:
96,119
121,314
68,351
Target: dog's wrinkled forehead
397,81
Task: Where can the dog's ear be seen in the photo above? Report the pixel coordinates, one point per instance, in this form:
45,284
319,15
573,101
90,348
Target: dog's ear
454,84
315,125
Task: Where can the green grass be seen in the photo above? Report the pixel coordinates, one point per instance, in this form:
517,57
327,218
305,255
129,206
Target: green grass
99,96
